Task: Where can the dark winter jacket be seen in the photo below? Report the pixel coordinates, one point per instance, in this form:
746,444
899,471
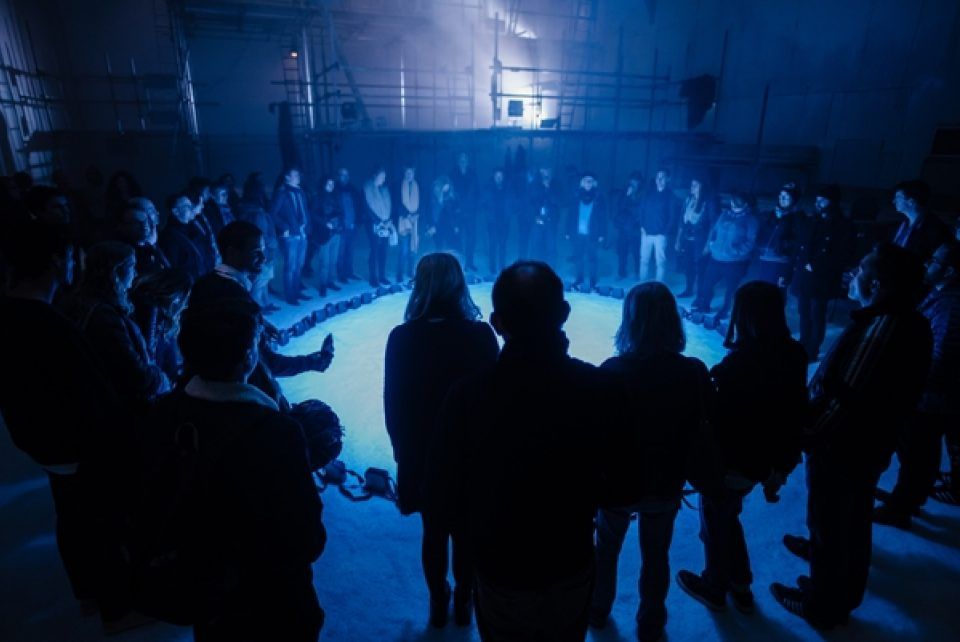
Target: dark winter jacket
466,187
598,217
924,237
760,408
218,216
660,213
150,259
506,439
289,211
543,208
325,218
826,245
668,398
942,310
497,206
423,360
349,205
58,404
626,220
777,237
261,519
116,339
733,237
866,388
186,248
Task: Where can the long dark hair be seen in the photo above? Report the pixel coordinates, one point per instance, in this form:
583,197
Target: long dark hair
165,291
101,275
758,319
706,193
651,322
439,290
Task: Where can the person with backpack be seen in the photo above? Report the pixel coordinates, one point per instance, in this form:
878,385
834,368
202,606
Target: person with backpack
231,518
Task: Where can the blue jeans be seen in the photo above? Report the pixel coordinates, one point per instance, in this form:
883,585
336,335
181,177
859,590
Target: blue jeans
724,547
655,520
294,249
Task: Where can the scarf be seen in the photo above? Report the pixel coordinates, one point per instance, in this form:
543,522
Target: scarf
378,200
410,196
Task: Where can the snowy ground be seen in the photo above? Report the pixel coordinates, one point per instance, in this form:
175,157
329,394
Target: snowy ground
369,577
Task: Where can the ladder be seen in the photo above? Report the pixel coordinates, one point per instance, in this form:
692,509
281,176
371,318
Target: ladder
578,37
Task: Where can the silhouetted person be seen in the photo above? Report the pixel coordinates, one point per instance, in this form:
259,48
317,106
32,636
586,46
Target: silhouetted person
158,299
243,258
922,232
824,244
352,218
697,216
121,187
182,241
61,410
289,214
377,221
667,399
440,342
728,250
626,221
327,224
253,209
545,214
502,435
658,222
758,421
407,221
443,223
864,390
776,250
938,414
467,189
102,310
137,228
498,208
259,512
586,228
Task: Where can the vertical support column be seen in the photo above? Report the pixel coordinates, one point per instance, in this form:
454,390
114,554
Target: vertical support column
306,72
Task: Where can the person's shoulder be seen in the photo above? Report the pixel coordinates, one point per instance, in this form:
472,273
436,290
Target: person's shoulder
481,329
694,365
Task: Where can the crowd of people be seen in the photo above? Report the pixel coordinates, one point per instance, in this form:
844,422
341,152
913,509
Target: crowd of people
182,478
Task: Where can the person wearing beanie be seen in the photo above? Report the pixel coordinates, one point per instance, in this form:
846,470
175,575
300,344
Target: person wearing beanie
824,251
773,261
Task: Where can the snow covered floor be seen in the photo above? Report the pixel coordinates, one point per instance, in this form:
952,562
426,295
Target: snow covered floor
369,577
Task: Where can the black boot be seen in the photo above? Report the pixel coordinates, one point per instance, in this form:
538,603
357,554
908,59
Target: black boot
440,608
463,606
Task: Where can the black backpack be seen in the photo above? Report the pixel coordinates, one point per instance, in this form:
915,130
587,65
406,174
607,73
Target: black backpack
174,576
